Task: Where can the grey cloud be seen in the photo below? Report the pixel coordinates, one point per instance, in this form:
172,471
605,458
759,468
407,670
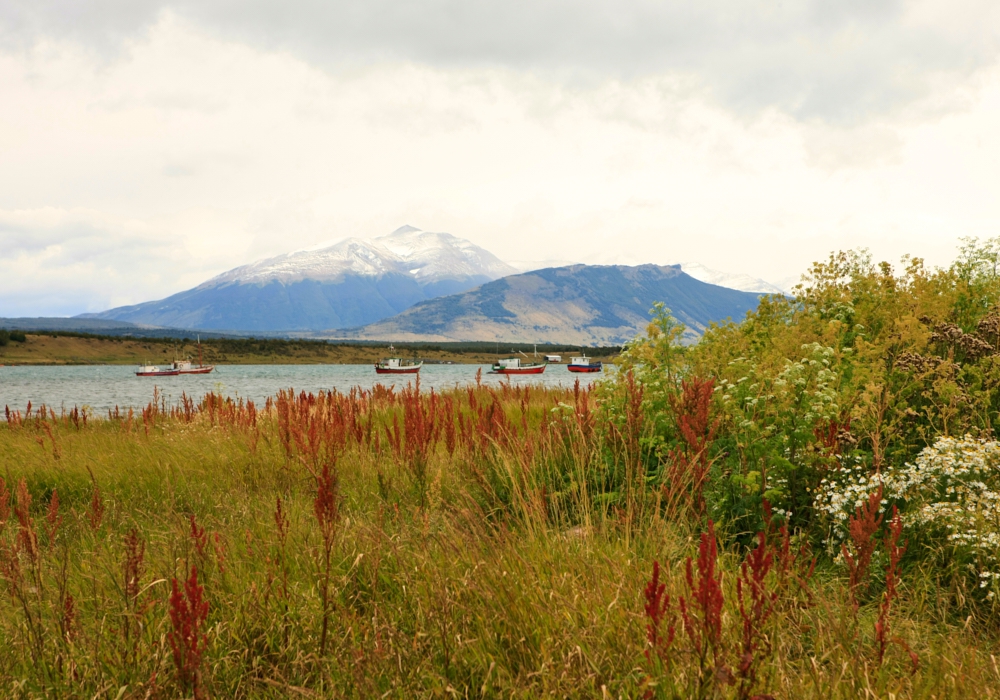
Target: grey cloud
842,61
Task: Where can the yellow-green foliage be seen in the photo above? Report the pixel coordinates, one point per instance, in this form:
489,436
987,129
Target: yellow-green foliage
863,369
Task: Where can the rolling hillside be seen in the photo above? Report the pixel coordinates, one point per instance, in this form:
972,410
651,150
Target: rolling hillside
584,304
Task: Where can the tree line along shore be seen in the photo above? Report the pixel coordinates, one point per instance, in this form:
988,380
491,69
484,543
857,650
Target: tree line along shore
70,348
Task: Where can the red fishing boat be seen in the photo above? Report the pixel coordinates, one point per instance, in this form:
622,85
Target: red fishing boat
583,364
397,365
154,371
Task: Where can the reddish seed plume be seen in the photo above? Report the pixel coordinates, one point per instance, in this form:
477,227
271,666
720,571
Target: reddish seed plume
830,435
68,622
701,612
27,538
789,566
188,613
448,419
658,610
690,463
862,527
132,569
4,504
325,504
895,553
52,517
56,451
10,566
198,537
281,521
692,411
327,510
95,512
219,547
634,417
755,605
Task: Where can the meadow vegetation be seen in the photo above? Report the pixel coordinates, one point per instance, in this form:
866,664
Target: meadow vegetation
801,505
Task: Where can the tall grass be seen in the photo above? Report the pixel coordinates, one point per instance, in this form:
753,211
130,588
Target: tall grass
476,543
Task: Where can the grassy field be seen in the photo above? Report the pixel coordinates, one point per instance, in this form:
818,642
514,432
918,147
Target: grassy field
83,349
803,505
479,543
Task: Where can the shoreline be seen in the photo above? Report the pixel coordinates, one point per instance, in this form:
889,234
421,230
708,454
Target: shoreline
57,350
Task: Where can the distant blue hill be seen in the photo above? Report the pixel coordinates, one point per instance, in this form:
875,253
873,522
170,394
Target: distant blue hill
275,305
97,326
585,304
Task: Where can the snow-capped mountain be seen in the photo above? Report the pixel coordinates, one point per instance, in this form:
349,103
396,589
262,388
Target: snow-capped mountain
351,283
741,282
425,256
357,282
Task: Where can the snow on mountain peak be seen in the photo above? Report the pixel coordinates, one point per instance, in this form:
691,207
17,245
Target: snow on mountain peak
741,282
426,256
404,229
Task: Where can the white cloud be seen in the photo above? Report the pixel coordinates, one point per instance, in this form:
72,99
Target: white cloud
134,174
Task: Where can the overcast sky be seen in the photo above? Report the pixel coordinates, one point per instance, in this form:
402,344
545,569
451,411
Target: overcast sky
146,146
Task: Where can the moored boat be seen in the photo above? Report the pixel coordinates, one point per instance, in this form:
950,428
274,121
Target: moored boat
397,365
154,371
185,367
584,364
514,365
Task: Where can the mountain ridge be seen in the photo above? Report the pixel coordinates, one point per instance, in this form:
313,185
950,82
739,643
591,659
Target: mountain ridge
350,283
355,284
586,304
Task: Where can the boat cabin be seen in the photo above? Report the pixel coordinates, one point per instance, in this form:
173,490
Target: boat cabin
510,363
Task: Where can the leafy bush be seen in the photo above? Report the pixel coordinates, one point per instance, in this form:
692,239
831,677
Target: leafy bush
948,498
858,382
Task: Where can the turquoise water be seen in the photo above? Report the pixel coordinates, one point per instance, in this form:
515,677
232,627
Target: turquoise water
105,386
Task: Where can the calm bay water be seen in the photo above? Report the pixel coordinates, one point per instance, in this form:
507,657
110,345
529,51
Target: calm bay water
105,386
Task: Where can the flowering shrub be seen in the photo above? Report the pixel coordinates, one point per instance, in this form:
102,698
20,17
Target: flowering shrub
949,494
765,443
